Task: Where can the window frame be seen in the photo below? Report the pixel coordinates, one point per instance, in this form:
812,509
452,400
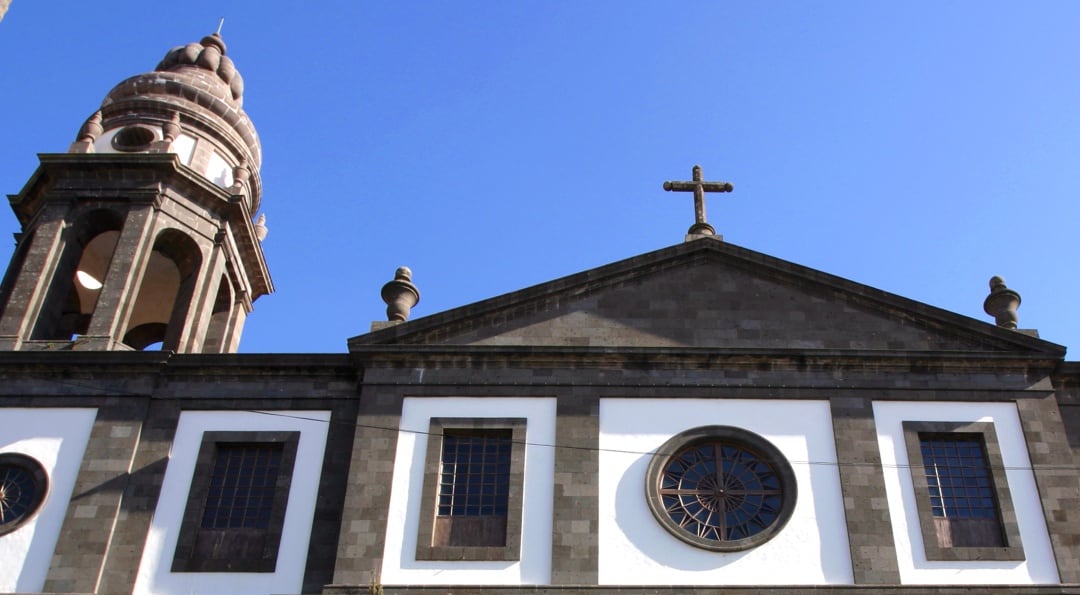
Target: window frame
38,476
1013,549
187,557
429,496
759,445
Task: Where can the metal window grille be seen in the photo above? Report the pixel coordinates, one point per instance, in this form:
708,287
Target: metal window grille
958,476
475,473
242,486
721,491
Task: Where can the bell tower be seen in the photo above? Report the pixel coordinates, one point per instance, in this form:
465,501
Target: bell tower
142,236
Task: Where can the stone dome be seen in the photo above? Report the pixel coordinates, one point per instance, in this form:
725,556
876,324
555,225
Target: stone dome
191,105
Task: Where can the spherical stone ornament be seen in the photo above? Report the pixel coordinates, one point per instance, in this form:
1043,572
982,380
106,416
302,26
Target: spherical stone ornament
721,488
23,487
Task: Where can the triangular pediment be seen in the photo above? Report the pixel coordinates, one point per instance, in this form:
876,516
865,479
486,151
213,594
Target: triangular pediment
708,294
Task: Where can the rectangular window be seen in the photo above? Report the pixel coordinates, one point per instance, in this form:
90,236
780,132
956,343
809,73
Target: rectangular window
242,486
965,511
236,502
474,474
961,490
474,488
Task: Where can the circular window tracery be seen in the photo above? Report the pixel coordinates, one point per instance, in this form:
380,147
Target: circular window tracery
721,488
23,485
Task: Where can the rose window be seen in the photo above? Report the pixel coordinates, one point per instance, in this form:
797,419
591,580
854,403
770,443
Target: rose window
22,489
721,488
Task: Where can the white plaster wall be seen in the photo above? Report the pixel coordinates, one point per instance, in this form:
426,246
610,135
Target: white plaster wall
184,147
57,439
636,549
399,561
219,171
155,575
914,568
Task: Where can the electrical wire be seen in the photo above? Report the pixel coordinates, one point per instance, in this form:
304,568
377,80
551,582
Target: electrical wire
597,449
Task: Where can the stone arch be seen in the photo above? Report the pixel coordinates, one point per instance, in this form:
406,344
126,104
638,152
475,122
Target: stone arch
166,291
80,271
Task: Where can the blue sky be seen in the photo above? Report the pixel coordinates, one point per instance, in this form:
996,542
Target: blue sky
919,147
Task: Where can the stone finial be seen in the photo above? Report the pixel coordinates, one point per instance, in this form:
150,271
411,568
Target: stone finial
214,41
400,295
171,129
1002,303
89,132
91,128
260,227
241,175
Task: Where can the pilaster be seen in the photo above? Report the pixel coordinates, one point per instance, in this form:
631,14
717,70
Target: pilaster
862,484
91,528
367,496
1057,478
575,533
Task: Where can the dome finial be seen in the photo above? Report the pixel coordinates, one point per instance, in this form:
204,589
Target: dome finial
214,40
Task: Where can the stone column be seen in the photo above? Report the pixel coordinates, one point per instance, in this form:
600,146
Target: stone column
201,307
240,309
119,291
32,283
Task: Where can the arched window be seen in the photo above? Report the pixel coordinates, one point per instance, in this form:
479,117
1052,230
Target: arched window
80,273
165,293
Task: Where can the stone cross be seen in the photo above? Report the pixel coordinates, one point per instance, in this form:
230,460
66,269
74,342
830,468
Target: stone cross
699,187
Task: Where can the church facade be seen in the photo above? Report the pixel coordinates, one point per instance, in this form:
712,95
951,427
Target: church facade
698,417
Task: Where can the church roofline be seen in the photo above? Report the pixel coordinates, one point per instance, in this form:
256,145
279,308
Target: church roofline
445,325
701,358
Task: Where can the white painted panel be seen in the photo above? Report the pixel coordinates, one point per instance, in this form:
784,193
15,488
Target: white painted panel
103,144
155,575
57,438
914,568
184,147
636,549
219,171
399,562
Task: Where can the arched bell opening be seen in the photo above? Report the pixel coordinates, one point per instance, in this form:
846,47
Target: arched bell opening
219,317
76,283
165,294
